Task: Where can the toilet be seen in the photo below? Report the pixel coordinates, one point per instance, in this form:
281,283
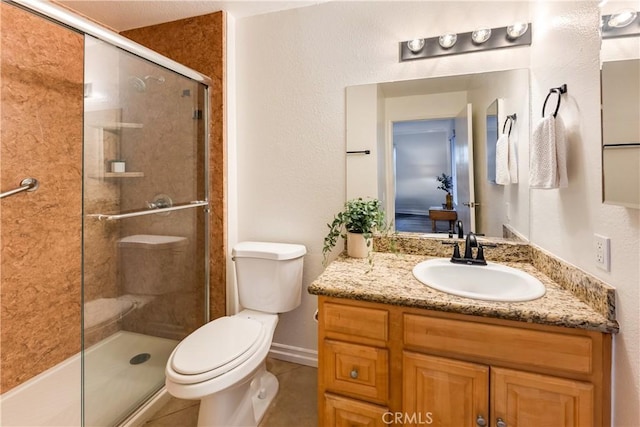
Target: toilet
223,362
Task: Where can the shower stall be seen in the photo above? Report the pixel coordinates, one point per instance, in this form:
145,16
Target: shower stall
105,260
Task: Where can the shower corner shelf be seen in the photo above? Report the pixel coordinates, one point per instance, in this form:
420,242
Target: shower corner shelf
117,175
124,174
114,126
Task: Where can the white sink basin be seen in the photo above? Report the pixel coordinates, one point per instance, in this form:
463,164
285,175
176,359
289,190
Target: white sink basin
491,282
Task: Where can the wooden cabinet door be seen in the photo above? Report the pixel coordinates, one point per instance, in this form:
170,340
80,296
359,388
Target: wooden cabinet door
343,412
523,399
444,392
356,370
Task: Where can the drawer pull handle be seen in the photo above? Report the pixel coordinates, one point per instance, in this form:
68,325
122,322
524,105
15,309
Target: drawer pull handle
354,373
500,423
481,422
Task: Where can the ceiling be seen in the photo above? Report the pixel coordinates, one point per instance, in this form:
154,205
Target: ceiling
122,15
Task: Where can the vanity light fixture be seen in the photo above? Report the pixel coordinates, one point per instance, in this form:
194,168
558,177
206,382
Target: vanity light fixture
415,45
447,40
517,30
482,39
624,23
480,36
622,18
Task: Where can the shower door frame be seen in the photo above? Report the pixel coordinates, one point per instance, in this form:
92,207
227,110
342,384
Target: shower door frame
84,26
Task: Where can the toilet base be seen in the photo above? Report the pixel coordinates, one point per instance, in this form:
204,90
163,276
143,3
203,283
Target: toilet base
241,405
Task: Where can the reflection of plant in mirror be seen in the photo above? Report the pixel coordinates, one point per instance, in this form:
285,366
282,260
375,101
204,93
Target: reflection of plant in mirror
446,183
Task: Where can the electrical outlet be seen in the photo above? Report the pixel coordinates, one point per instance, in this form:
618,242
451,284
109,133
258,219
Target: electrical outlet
603,251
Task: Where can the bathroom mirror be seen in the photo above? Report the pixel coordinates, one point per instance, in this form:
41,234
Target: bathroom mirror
372,155
620,84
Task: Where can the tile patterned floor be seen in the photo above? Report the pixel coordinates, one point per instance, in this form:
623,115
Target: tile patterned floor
294,406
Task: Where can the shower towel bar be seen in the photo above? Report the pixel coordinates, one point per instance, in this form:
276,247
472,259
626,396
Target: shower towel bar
189,205
27,184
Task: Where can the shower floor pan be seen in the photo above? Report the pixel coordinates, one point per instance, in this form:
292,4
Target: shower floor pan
113,386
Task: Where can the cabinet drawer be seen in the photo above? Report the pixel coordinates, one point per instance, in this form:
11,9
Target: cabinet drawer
370,323
340,411
495,343
357,370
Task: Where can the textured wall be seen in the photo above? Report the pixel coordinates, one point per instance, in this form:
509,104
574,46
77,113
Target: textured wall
168,149
292,73
564,221
291,131
42,95
199,43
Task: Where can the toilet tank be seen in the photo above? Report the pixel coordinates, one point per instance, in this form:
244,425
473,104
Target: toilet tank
152,264
269,275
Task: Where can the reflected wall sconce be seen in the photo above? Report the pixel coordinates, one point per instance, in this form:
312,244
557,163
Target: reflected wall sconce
625,23
518,34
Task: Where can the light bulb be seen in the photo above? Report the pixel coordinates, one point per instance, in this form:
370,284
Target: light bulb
622,18
481,36
415,45
517,30
448,40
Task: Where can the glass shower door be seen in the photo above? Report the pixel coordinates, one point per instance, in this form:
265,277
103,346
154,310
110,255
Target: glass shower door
144,228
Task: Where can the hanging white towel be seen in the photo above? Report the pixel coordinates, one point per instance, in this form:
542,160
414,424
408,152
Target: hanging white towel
548,154
506,161
561,152
503,176
513,162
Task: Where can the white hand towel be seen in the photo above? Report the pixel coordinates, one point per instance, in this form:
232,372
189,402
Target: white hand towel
561,153
548,155
503,176
513,162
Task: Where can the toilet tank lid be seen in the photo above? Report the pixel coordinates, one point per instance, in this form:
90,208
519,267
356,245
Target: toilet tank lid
154,240
268,250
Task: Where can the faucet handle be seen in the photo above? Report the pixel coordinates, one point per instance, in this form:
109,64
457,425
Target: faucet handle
456,250
480,254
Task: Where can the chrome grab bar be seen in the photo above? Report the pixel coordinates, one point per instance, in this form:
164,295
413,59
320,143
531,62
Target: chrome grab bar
27,184
189,205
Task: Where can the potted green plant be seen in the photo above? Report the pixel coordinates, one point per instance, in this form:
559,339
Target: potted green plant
359,218
446,184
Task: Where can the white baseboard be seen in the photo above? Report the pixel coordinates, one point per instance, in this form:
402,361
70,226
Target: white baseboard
289,353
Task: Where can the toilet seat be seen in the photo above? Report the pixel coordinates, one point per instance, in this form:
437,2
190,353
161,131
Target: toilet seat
215,348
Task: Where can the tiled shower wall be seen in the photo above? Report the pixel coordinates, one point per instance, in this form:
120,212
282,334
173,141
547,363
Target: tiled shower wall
169,150
42,116
199,43
41,136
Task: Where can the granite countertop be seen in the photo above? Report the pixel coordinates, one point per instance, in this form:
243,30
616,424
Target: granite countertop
391,281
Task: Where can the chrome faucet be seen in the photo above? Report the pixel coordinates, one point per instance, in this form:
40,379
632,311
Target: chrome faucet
460,229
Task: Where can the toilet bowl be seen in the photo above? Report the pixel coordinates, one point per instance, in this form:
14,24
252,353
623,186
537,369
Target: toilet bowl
223,362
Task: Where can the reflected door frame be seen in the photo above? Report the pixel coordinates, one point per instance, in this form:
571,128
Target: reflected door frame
464,196
389,167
